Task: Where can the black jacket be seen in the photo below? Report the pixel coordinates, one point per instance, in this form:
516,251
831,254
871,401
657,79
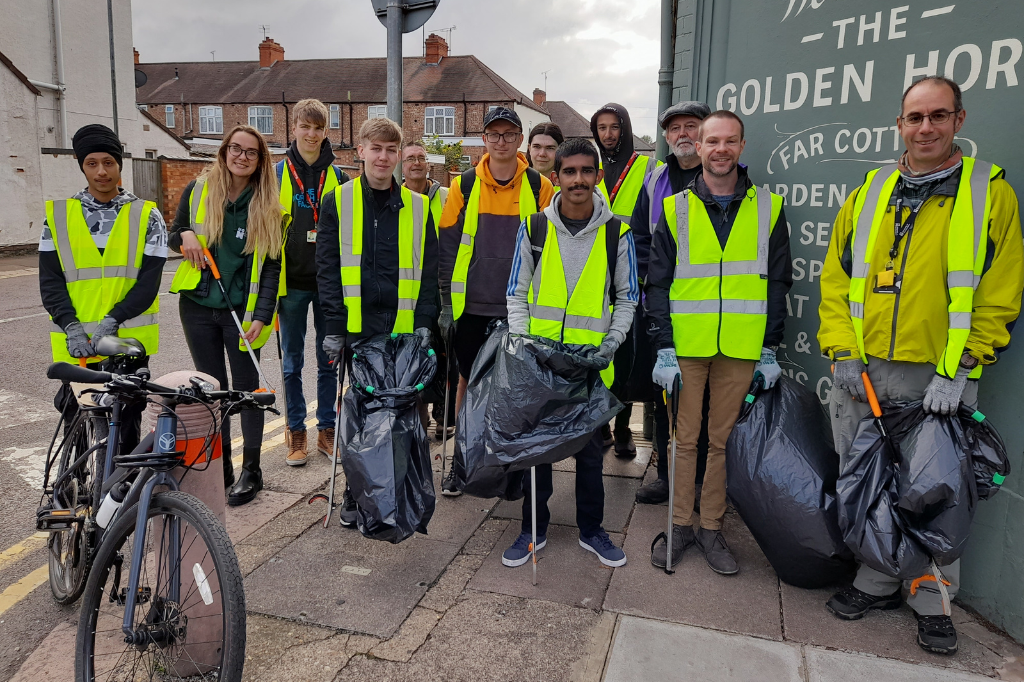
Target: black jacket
661,270
379,266
270,275
678,179
300,254
614,161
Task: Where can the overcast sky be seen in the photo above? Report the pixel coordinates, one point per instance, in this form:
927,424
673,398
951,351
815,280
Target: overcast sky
595,51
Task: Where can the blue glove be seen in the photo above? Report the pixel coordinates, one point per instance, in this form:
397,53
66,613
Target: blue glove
768,368
666,369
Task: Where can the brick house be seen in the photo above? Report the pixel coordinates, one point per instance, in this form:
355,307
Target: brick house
574,124
446,95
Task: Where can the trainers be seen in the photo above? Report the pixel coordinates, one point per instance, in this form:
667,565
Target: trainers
625,448
654,492
519,553
936,634
325,443
849,603
349,511
296,448
449,486
683,538
606,435
604,548
716,552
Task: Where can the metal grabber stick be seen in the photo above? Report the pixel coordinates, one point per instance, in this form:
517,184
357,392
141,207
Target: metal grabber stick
284,389
338,407
677,387
447,393
533,520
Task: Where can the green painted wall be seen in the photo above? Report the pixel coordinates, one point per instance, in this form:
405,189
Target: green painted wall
818,84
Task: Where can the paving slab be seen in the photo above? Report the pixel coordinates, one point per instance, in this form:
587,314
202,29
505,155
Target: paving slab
887,634
836,666
53,659
456,518
243,521
619,497
278,476
285,651
747,603
339,579
653,650
566,573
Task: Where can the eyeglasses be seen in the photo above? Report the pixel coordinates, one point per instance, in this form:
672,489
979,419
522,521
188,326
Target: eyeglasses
236,150
415,159
509,136
937,118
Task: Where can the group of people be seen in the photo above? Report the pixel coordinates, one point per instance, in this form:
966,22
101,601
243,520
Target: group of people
686,262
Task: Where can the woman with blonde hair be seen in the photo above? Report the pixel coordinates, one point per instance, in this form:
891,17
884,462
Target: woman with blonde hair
234,210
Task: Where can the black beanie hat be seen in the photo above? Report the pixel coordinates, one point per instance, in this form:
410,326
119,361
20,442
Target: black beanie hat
96,138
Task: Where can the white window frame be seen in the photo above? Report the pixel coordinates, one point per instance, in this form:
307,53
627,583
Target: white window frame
262,116
169,115
151,153
211,120
335,118
492,108
439,117
377,111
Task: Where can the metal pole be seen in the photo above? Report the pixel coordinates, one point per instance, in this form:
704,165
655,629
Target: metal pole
58,41
394,20
665,72
113,67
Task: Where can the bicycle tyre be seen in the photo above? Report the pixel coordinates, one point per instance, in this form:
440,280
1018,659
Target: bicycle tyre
229,578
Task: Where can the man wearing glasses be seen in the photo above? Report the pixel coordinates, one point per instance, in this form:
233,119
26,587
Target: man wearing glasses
479,225
936,238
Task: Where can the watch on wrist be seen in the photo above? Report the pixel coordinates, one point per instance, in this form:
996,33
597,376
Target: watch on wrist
968,361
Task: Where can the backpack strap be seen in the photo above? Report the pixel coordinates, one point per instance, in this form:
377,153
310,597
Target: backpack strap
533,176
279,168
611,240
466,182
537,225
341,176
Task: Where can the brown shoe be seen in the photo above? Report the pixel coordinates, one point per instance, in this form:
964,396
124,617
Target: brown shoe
296,448
325,442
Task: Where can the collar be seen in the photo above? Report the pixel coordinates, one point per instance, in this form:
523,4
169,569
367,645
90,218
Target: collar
394,202
700,188
93,204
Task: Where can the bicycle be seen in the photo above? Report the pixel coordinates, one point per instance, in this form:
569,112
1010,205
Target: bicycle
181,614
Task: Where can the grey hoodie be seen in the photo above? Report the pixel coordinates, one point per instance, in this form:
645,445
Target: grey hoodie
575,250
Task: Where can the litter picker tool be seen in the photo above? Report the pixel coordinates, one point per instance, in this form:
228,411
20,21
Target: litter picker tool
338,407
876,410
238,323
677,386
533,520
284,389
447,389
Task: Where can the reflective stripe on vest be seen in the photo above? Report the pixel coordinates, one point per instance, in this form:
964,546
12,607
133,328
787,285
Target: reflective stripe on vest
719,299
412,223
654,208
287,196
629,190
586,316
965,250
527,207
187,277
97,282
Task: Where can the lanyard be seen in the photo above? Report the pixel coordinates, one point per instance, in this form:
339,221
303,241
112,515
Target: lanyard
625,172
901,229
315,203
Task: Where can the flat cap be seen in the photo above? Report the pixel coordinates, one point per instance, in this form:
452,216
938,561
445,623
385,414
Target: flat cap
689,108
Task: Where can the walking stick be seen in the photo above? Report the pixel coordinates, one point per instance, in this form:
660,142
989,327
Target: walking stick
338,406
533,520
284,389
676,388
447,390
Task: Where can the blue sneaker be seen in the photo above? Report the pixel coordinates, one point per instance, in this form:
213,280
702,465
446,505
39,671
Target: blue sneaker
604,548
519,553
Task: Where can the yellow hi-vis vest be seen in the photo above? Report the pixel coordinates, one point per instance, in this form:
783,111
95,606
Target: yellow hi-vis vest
719,299
629,190
527,207
287,196
95,282
966,247
412,229
584,318
437,196
187,277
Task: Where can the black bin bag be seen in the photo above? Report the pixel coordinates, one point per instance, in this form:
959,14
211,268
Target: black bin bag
782,469
385,452
529,401
899,510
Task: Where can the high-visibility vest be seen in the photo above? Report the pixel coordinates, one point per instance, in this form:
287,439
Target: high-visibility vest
97,282
527,207
412,224
966,246
719,298
629,190
586,316
654,207
288,194
187,277
436,197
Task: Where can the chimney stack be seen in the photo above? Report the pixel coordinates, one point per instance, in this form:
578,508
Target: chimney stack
539,96
136,55
270,52
437,48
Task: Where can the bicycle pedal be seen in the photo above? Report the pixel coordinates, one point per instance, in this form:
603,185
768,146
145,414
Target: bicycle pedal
143,595
53,520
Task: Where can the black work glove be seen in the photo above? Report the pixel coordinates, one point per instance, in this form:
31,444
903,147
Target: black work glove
107,327
78,341
334,345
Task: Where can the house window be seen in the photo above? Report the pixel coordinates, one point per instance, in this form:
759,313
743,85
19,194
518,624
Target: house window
492,108
211,120
377,111
465,163
262,119
150,153
169,115
439,121
335,116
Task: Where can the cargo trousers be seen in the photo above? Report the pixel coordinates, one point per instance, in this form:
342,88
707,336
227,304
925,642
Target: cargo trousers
893,381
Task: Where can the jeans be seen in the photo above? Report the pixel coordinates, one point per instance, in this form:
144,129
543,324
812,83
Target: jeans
589,491
293,311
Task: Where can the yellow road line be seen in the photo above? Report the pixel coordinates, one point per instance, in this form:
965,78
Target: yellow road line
21,589
14,553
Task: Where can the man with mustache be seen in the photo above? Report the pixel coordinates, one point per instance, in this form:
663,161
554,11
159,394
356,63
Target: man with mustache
716,301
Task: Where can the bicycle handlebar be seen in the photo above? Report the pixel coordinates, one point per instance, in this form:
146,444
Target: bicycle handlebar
64,371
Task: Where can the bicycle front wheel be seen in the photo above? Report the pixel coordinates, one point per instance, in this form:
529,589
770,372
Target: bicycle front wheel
189,619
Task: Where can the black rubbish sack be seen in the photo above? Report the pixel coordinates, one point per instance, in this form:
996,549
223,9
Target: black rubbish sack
385,452
899,510
782,469
530,401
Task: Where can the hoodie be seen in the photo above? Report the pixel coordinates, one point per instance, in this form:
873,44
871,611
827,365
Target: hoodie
615,160
499,218
575,250
299,253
